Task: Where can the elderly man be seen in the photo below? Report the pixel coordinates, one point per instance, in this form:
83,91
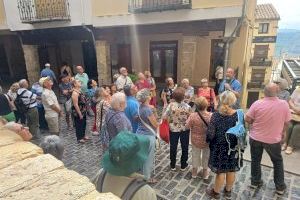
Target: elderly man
83,78
51,105
123,79
268,119
232,84
53,145
29,100
131,110
18,129
189,91
48,72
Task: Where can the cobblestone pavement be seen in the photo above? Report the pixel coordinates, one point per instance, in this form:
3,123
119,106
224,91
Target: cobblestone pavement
85,159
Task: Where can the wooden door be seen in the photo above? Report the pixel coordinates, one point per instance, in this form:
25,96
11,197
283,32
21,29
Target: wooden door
124,56
252,97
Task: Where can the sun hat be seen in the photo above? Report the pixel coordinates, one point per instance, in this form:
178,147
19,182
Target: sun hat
126,154
43,79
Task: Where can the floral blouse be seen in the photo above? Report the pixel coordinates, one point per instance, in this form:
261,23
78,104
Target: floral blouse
177,114
104,106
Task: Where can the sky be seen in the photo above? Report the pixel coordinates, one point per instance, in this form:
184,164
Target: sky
288,11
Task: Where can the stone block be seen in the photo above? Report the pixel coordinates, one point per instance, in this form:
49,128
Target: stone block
103,62
32,62
26,172
17,152
99,196
8,137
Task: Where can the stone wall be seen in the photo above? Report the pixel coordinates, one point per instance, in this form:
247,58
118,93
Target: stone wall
103,62
28,174
32,62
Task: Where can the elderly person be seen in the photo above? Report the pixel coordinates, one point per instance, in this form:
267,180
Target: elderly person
66,70
219,79
283,94
125,157
131,110
65,92
198,123
47,72
152,83
123,79
53,145
166,94
142,82
102,99
30,100
19,129
147,126
268,119
12,93
208,93
83,78
115,119
51,105
294,126
231,84
177,114
189,91
220,162
79,111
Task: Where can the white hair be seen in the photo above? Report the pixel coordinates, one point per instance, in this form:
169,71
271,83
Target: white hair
117,99
11,126
22,83
143,95
185,80
53,145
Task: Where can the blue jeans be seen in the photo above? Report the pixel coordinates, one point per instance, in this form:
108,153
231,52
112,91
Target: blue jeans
274,151
149,163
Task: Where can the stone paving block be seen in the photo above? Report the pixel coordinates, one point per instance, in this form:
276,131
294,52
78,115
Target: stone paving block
188,190
295,192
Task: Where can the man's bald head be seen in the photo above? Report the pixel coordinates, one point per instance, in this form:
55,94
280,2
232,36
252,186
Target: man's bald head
271,90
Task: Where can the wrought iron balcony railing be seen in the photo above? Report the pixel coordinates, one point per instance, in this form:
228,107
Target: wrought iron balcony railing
256,62
142,6
33,11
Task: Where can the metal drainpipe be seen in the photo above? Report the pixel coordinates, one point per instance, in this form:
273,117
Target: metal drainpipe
232,38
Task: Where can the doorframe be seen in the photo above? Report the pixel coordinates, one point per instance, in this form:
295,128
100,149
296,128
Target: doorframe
164,62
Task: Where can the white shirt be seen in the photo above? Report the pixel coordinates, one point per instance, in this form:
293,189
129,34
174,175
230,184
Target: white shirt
28,97
122,81
48,99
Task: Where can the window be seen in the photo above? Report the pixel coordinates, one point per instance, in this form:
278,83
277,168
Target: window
261,52
258,75
263,28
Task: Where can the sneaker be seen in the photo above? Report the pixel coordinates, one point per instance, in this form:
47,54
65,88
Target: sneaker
212,194
256,185
227,194
289,150
173,169
184,169
280,192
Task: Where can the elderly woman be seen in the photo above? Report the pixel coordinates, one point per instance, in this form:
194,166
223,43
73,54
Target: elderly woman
166,94
151,80
294,127
79,111
146,126
189,91
142,82
198,123
283,94
115,119
209,94
53,145
102,99
220,162
177,114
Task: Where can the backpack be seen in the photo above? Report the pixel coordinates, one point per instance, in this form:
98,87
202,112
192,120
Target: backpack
239,132
19,103
130,190
104,135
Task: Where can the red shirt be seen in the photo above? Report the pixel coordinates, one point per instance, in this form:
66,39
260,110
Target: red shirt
208,93
142,85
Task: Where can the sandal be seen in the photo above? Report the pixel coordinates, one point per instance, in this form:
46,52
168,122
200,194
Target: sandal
86,138
82,141
289,150
152,181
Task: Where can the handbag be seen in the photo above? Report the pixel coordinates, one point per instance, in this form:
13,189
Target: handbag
295,116
68,105
164,131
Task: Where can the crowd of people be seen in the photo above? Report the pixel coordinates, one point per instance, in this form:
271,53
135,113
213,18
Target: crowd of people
125,119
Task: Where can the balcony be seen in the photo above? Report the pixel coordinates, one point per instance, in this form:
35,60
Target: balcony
255,85
34,11
259,62
144,6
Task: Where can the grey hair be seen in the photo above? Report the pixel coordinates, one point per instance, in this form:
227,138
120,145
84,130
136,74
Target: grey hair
10,126
117,99
270,90
143,95
127,90
22,83
53,145
283,84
